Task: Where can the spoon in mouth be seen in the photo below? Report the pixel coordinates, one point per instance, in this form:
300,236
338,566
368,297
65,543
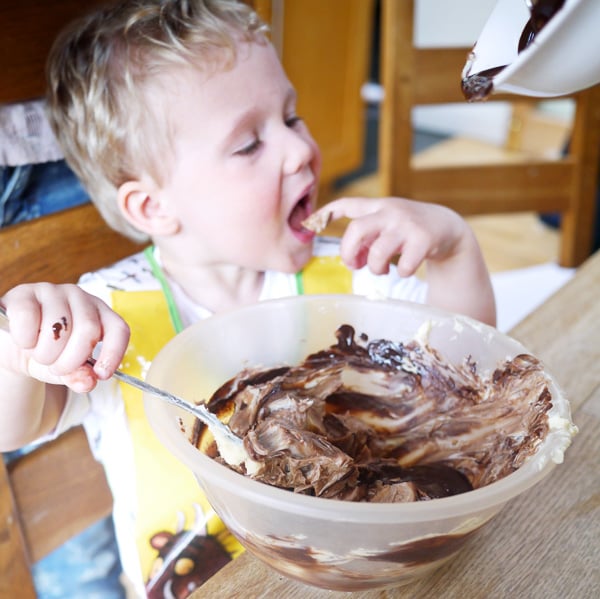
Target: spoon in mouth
230,446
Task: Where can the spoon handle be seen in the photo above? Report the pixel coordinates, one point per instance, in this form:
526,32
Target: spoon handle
198,410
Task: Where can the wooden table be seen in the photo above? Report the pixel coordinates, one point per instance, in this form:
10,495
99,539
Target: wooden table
545,543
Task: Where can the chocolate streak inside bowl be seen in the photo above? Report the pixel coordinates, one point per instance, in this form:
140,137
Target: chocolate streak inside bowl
303,563
380,421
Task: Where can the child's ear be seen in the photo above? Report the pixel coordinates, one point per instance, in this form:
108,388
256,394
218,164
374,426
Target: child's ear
140,207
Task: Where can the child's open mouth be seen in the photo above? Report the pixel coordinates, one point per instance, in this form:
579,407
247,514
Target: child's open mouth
299,213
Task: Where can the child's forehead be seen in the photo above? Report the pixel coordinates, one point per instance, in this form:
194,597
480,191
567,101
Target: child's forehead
212,96
170,82
250,66
204,61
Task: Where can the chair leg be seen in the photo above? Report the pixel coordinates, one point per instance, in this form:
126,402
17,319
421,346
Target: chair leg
15,575
579,221
395,130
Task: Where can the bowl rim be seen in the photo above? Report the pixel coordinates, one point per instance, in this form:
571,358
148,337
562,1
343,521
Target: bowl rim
163,421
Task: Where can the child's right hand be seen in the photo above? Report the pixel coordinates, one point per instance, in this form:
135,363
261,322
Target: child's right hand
54,330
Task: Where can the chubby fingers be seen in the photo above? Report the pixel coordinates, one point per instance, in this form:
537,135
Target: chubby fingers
382,231
361,233
114,343
60,326
389,247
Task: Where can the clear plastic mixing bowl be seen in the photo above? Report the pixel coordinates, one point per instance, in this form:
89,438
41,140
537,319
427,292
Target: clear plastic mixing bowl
329,543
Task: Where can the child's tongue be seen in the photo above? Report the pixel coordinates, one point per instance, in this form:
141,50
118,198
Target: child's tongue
299,213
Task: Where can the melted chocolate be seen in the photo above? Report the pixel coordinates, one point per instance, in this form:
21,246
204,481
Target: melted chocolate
480,85
58,327
431,480
541,12
383,421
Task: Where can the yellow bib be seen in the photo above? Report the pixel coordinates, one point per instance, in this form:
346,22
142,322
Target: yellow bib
171,507
174,521
324,274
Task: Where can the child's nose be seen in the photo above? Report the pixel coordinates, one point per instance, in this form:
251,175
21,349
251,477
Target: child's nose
299,151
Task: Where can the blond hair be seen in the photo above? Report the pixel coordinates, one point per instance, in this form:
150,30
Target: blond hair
100,68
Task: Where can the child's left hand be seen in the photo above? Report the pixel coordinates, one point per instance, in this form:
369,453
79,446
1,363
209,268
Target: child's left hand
383,229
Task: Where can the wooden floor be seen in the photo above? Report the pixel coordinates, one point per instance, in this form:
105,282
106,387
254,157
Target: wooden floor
508,241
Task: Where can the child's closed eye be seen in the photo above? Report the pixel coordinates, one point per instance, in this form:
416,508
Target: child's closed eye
249,148
293,120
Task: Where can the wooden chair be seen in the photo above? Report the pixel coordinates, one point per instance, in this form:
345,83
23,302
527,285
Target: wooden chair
414,76
28,29
57,490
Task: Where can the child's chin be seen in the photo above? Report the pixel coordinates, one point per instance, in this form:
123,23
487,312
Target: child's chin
298,261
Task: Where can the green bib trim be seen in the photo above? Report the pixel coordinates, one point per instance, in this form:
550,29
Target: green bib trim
160,277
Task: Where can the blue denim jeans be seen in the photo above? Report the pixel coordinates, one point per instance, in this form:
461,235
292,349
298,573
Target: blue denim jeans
87,566
34,190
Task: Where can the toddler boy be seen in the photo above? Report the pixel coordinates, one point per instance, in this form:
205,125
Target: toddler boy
181,123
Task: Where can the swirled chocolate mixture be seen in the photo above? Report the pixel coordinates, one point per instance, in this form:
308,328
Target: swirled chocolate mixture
385,422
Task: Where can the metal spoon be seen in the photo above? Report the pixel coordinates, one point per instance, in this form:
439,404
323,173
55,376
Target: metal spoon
230,446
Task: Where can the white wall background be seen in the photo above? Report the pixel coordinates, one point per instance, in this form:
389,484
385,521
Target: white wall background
450,23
